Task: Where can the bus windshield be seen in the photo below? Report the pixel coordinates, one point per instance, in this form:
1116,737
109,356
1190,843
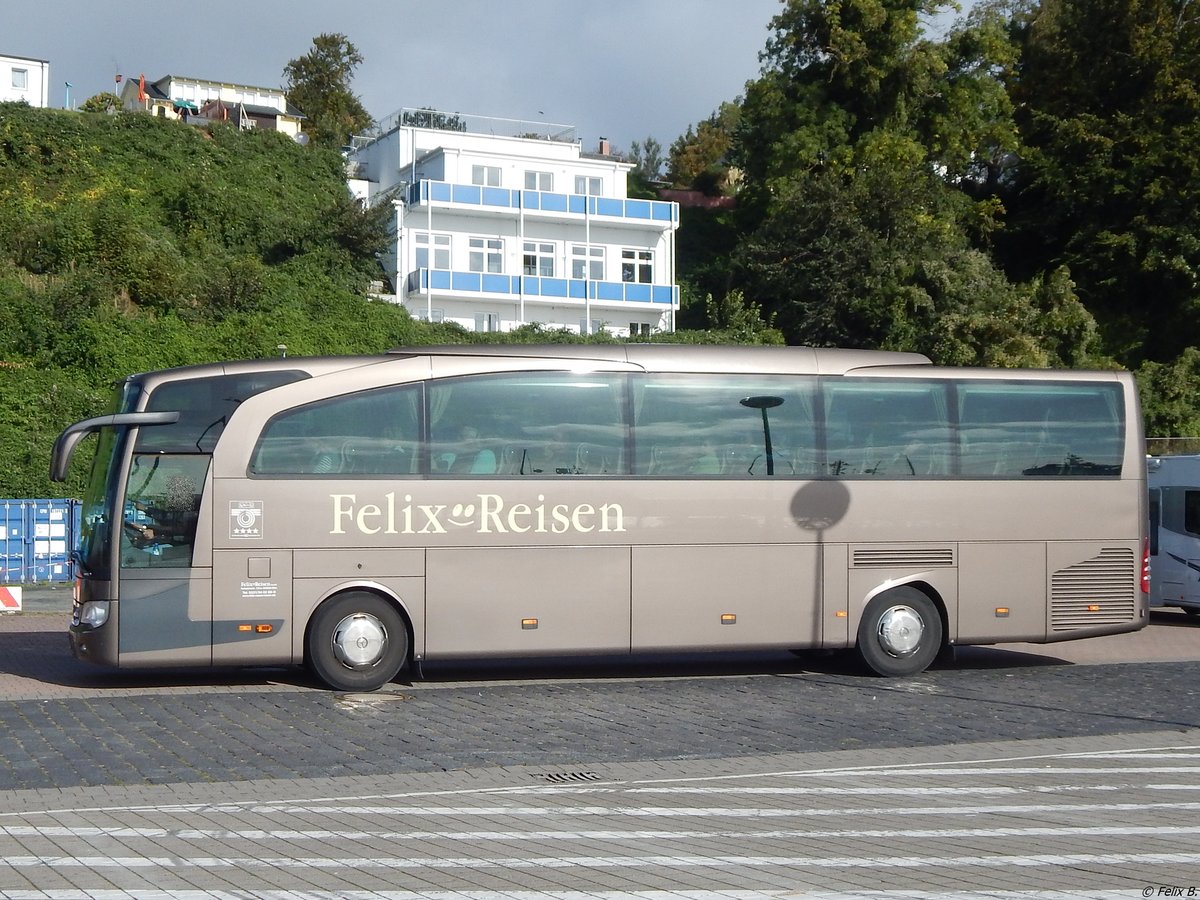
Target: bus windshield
95,527
170,461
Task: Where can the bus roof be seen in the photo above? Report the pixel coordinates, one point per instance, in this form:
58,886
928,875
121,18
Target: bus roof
688,357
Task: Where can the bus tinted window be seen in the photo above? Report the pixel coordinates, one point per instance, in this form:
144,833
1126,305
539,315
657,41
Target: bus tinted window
368,433
1011,430
540,424
887,429
205,405
718,425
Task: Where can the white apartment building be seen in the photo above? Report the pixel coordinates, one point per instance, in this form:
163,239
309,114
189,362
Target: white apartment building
24,79
500,223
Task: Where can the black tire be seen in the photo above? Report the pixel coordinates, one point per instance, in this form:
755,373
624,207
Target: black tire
357,642
900,633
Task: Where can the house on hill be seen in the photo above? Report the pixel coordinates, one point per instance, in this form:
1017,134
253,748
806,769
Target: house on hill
500,223
24,79
198,100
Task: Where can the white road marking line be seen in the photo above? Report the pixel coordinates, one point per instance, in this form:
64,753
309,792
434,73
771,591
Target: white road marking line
255,834
603,862
618,812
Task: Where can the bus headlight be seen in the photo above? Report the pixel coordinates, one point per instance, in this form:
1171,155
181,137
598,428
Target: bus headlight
94,613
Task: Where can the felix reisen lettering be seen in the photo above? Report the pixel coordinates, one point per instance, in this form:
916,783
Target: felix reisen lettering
489,514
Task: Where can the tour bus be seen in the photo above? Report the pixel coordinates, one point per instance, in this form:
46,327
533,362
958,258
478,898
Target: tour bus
1174,484
360,515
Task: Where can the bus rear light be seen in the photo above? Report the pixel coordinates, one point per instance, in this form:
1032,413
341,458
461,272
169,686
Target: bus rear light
1146,566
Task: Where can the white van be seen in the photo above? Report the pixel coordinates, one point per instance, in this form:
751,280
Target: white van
1174,485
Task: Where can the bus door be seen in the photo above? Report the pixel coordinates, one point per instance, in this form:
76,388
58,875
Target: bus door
165,601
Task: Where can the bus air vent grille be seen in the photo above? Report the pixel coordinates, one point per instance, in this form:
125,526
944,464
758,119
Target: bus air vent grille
902,557
1107,581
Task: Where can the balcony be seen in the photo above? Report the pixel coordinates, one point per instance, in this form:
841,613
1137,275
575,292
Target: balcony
506,199
534,286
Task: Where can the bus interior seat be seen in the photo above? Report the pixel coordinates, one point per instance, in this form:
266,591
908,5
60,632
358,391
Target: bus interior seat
596,459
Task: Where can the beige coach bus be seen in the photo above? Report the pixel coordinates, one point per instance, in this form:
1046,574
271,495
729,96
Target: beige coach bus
363,514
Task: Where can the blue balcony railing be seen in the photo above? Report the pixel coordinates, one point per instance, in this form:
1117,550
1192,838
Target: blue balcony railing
542,201
492,284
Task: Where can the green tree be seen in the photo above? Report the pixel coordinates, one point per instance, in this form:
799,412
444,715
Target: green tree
699,158
870,154
1108,99
1169,392
647,159
318,83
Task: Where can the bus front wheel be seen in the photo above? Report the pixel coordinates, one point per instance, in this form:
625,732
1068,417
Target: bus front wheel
357,642
900,633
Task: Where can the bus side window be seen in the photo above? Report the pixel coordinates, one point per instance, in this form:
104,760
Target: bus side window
709,426
539,424
366,433
1040,429
888,429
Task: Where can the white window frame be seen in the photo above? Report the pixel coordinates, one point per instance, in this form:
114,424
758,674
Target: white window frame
637,265
487,176
487,321
20,79
637,329
587,262
543,254
539,181
592,185
485,254
442,257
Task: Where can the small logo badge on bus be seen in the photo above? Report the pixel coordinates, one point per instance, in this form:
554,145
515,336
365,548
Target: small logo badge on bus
245,518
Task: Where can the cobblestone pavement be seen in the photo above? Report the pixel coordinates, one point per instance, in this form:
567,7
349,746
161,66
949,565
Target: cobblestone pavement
749,776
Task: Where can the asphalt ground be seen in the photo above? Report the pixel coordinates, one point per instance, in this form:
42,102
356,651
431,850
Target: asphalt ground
97,766
67,723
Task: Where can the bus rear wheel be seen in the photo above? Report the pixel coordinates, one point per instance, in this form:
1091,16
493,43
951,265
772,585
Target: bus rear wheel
358,642
900,633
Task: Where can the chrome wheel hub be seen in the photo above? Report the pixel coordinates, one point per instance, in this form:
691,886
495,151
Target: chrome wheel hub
359,641
900,631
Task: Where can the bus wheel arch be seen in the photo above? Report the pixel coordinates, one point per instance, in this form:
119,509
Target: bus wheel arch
902,630
358,640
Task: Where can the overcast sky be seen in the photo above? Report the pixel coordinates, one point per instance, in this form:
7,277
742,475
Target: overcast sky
621,69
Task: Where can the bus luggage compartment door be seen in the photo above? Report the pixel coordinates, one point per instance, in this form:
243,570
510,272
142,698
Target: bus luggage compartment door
726,597
527,601
252,607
